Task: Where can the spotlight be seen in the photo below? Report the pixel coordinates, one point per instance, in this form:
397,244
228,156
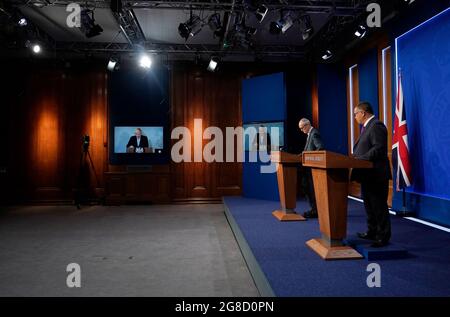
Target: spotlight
145,61
39,4
327,55
241,35
306,27
360,31
22,22
213,64
88,26
112,64
214,22
282,25
191,27
251,31
215,25
306,34
36,48
261,12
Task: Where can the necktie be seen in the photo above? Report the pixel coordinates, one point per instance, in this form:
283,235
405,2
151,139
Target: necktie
363,129
307,140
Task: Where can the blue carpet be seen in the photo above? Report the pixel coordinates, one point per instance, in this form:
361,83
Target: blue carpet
292,269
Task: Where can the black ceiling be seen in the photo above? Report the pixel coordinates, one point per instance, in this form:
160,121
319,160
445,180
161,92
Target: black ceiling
153,26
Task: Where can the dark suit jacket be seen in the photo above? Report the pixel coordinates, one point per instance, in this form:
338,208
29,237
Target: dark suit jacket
133,142
256,143
314,141
372,146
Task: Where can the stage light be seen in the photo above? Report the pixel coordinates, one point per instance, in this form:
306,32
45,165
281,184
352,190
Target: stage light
39,4
255,6
306,34
215,25
191,27
33,46
214,22
241,35
213,64
282,25
145,61
251,31
360,31
22,22
261,12
36,48
327,55
88,25
306,27
112,64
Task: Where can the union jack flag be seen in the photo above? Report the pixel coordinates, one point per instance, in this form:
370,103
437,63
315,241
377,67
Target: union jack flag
400,155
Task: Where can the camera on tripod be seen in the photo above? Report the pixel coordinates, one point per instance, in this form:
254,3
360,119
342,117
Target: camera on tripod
86,141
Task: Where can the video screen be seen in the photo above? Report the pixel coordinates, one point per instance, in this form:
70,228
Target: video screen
272,130
138,140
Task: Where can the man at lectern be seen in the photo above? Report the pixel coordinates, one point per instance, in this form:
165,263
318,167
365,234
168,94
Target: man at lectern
262,142
313,143
372,146
138,143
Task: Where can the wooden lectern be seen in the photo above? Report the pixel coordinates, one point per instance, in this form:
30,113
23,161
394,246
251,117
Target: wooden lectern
287,185
331,177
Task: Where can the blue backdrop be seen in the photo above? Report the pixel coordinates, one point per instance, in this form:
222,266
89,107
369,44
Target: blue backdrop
423,54
368,79
424,59
332,107
263,99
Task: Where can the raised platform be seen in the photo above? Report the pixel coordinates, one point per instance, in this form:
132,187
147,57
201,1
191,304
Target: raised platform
283,265
389,252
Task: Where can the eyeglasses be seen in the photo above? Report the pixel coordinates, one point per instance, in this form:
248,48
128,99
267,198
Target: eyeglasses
355,113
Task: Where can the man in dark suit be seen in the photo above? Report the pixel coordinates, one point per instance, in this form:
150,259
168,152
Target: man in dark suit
313,143
262,141
372,146
138,143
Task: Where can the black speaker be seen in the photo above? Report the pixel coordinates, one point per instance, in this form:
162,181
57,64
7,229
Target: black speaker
116,6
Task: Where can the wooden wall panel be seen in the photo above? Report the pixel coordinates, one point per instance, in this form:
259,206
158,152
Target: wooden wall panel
315,100
215,99
178,82
54,107
49,117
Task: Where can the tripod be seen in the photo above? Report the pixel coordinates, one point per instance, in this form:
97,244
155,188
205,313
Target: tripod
82,192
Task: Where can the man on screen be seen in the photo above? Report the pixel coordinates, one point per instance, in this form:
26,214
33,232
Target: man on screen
372,146
138,143
262,141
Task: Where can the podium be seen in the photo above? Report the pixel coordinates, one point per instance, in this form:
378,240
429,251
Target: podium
331,177
287,164
146,150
